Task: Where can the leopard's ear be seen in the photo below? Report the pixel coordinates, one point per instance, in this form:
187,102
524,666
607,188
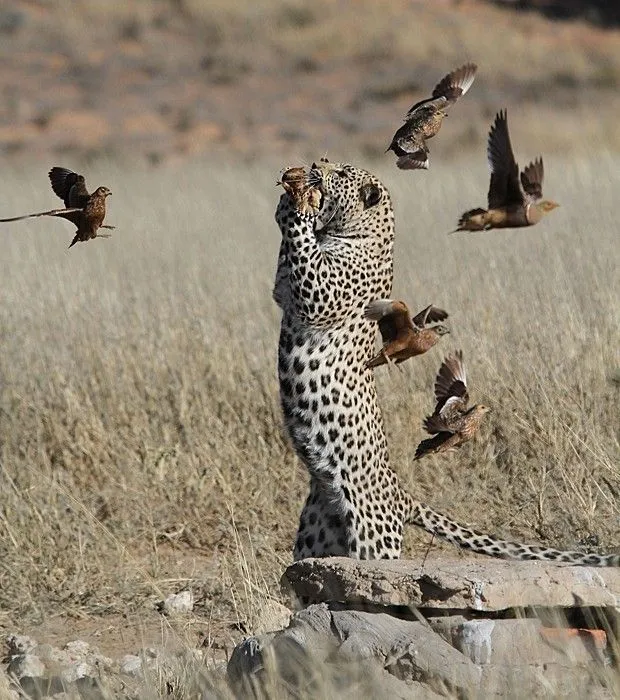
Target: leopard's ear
370,194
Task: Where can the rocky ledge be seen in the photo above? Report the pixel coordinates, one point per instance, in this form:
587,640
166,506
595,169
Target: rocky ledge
468,627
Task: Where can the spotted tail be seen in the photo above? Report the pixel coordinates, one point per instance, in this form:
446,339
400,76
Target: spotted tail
468,538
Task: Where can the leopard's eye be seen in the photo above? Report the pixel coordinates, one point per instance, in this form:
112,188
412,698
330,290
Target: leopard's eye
370,194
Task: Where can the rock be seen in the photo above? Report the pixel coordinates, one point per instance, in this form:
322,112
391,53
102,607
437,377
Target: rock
131,665
44,670
473,584
19,644
149,659
272,616
523,642
348,640
26,665
540,681
177,603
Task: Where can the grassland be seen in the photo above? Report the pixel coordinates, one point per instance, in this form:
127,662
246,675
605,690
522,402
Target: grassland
141,448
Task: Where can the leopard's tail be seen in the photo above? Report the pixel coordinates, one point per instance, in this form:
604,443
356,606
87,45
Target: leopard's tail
466,537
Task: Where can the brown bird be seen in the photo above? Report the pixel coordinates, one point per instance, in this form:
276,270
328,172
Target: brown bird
403,337
85,211
295,182
424,119
452,423
512,199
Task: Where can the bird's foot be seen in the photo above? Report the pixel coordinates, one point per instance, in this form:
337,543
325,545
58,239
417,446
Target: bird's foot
390,362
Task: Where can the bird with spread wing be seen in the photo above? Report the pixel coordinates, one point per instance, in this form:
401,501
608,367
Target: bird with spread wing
404,337
85,211
452,423
424,119
514,199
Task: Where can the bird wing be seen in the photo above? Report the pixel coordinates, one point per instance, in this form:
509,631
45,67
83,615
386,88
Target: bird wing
456,83
69,214
431,445
426,108
431,314
69,186
391,316
451,383
414,161
532,179
504,188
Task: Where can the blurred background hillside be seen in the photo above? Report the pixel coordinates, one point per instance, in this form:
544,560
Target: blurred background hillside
164,80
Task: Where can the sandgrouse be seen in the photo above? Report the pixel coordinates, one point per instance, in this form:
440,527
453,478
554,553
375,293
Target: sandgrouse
452,423
514,200
295,182
424,119
404,337
86,211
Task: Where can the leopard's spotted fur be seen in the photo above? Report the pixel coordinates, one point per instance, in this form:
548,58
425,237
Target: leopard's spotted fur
331,265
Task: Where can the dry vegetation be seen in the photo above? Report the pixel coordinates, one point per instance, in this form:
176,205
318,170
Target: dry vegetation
140,438
171,78
141,449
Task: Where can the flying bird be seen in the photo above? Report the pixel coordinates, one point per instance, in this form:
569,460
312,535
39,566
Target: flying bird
404,337
514,199
424,119
452,423
85,211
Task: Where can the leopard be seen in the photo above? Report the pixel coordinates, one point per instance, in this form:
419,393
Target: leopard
334,259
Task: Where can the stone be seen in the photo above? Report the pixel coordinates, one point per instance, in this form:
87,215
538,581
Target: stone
524,641
348,639
26,665
177,603
272,616
540,681
131,665
482,585
20,644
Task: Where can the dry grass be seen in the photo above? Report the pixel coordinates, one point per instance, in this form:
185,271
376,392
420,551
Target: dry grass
140,438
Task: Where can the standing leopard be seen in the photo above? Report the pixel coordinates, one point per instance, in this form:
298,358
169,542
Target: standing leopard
334,259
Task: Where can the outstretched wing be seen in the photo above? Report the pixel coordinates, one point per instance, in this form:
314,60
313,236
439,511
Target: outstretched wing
424,109
71,214
532,179
392,316
69,186
431,314
504,188
456,83
451,386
